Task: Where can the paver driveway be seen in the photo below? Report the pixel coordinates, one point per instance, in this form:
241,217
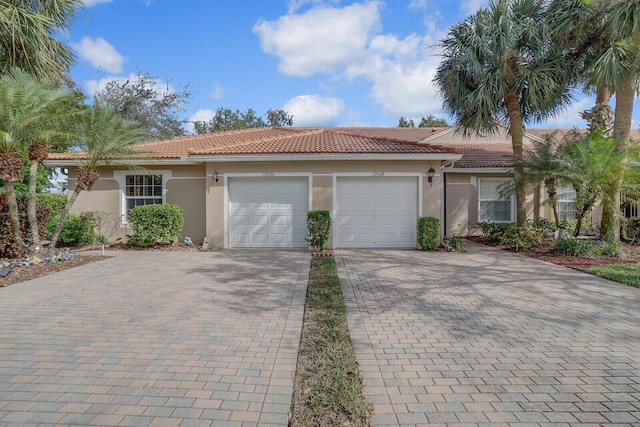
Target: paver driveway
153,338
490,337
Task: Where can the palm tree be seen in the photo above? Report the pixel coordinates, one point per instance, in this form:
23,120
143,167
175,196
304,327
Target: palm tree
604,37
30,115
502,64
27,36
105,137
543,165
594,163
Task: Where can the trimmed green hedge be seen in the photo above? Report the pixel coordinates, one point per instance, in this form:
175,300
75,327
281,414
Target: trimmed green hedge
155,223
318,226
428,233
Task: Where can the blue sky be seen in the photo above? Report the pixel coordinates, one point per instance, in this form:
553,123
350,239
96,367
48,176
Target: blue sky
326,62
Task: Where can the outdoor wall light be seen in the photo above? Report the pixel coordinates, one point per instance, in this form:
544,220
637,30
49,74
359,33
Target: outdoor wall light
215,176
430,174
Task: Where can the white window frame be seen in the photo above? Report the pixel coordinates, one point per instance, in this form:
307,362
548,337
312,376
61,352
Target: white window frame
511,199
562,200
121,177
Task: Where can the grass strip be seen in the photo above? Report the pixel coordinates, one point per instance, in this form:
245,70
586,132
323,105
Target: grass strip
328,384
629,274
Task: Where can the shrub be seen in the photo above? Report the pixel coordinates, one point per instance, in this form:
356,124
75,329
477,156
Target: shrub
493,231
78,230
318,226
155,223
632,229
588,228
543,225
572,247
54,202
608,249
9,248
428,233
521,238
457,244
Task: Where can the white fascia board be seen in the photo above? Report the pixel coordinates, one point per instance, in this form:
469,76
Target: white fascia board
151,162
478,170
308,157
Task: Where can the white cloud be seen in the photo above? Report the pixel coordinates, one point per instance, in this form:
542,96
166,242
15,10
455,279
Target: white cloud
347,43
100,54
321,40
295,5
417,5
315,110
89,3
203,115
470,7
217,92
571,117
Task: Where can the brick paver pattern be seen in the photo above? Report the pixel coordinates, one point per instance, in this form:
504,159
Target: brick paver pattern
491,338
155,339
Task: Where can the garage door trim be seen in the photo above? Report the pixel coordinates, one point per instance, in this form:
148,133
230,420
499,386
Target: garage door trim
374,174
266,175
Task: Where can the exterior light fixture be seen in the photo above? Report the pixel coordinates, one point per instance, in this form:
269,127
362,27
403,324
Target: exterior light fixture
215,176
430,174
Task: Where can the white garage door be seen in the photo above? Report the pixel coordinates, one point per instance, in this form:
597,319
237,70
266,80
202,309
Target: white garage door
376,212
268,212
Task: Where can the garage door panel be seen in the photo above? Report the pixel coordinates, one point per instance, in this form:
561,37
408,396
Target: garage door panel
376,212
276,208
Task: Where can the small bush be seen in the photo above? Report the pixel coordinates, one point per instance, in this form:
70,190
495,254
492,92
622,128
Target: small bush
543,225
608,249
493,231
632,230
318,226
78,230
572,247
588,228
428,233
457,244
55,203
521,238
155,223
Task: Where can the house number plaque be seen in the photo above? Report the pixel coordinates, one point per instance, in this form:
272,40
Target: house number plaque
268,174
377,173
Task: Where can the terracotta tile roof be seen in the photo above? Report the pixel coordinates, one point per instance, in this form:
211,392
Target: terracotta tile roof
483,155
277,140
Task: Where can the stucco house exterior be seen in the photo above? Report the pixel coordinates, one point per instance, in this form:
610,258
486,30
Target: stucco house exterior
253,187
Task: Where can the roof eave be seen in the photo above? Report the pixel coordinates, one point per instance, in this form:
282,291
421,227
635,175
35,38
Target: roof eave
139,162
337,156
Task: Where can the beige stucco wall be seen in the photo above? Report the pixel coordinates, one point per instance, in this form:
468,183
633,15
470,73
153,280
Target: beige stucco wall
462,202
322,179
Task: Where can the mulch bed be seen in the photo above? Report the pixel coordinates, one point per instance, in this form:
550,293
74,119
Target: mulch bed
631,255
28,272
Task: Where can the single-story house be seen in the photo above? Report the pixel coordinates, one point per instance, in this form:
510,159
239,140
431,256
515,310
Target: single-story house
253,187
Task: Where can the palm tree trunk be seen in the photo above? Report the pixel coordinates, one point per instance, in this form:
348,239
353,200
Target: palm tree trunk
603,95
12,203
610,225
32,214
63,218
517,132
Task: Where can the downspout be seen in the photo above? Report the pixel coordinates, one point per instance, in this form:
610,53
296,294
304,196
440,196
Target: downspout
444,201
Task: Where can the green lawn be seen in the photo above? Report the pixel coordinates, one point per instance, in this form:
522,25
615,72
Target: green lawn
328,389
629,274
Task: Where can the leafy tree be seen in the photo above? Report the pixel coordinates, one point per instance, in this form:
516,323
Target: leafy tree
404,123
142,100
226,119
27,36
432,121
594,163
502,64
32,116
105,137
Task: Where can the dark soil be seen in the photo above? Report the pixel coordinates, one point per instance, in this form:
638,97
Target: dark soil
631,254
28,272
